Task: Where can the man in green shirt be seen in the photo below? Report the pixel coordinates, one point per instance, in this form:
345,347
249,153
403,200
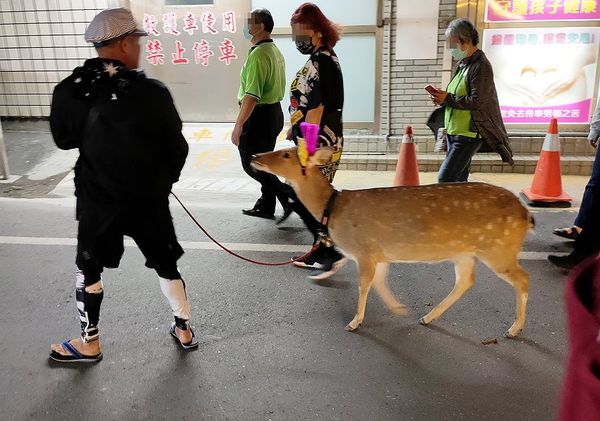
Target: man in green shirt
260,120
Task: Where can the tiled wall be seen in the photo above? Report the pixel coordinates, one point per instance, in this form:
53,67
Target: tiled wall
41,42
409,103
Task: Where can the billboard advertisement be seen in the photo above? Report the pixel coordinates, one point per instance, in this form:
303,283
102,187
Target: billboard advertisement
544,72
541,10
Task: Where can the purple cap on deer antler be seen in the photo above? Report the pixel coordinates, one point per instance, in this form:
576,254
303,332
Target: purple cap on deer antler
311,136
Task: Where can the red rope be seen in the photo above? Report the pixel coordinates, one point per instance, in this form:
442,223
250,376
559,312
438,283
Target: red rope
315,247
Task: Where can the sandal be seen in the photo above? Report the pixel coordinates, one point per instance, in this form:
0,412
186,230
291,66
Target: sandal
74,356
188,345
570,233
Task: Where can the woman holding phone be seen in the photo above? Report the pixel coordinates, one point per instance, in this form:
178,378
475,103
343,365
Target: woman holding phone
471,111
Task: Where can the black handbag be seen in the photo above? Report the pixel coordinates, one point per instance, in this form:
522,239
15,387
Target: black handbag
436,120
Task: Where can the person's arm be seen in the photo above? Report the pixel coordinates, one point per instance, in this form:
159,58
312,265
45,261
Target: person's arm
316,100
177,147
67,117
255,80
481,83
594,135
246,108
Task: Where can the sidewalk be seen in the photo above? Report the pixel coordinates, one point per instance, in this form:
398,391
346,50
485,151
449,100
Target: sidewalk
212,166
574,185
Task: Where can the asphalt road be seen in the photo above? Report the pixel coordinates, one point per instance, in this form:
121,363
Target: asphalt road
272,342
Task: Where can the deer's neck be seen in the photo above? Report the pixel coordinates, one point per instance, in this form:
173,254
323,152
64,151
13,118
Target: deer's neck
314,191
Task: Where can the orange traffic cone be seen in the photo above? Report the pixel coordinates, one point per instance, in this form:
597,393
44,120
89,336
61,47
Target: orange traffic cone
407,169
546,188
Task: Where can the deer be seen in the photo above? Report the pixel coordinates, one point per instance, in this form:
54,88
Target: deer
456,222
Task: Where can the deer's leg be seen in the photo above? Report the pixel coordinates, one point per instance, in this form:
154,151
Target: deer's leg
465,278
387,296
514,274
366,272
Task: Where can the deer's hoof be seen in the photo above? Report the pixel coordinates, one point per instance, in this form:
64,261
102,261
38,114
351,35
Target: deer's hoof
351,327
508,334
423,321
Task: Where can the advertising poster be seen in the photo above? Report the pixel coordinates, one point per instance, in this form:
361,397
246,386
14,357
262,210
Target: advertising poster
541,10
544,72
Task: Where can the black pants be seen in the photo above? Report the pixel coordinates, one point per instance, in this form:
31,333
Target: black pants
259,134
588,242
100,244
100,237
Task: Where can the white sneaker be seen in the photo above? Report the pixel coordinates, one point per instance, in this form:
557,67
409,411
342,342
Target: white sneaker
327,272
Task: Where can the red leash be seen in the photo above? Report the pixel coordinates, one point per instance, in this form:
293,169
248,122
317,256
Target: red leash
315,247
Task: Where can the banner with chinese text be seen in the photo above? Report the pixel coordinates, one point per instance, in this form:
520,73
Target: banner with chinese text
543,72
541,10
198,52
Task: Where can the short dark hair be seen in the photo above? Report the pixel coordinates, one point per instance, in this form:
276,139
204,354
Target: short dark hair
263,16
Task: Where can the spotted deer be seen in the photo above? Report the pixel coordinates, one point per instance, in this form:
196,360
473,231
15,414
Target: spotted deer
457,222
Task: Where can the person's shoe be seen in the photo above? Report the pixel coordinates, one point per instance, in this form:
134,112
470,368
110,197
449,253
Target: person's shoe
315,260
288,209
570,233
331,267
565,262
259,213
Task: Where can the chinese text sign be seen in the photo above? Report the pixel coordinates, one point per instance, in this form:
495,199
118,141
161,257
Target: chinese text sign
543,72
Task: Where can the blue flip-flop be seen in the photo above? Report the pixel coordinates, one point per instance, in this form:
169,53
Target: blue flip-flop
74,356
188,345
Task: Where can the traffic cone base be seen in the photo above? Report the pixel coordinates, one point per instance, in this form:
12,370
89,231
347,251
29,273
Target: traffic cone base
541,203
564,197
546,186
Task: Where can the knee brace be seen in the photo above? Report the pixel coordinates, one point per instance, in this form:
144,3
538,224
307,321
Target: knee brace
89,299
174,290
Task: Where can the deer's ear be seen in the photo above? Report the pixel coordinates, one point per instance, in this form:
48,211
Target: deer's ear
321,156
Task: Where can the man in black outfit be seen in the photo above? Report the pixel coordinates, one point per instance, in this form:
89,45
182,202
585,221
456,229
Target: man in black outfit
587,242
260,120
131,151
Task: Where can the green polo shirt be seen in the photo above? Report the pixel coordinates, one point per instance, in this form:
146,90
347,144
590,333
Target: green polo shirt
457,121
263,74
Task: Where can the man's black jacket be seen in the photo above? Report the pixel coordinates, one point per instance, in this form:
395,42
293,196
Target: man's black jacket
126,128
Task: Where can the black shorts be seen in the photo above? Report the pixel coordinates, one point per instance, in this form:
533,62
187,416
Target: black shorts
101,231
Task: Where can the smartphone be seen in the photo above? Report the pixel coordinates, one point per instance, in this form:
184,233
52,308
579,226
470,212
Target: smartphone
431,89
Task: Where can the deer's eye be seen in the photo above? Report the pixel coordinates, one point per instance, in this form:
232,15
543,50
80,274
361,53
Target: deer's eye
286,155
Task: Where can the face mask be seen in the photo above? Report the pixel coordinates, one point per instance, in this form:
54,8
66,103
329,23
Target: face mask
458,54
247,33
304,45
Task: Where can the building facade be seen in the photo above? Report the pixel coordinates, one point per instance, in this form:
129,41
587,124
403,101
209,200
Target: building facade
390,50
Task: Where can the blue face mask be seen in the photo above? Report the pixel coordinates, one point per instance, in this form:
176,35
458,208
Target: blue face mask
457,53
247,33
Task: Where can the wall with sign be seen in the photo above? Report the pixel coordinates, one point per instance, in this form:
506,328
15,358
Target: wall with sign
196,47
546,66
198,52
544,72
541,10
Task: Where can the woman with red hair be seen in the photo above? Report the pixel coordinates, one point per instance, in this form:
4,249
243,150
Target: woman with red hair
317,97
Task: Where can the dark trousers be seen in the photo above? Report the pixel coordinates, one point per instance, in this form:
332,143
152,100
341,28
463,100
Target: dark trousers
584,210
588,242
458,158
259,134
